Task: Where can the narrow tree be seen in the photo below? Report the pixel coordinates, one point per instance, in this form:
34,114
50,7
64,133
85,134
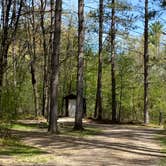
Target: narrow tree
146,60
54,78
80,67
114,119
33,62
50,49
14,45
98,106
45,53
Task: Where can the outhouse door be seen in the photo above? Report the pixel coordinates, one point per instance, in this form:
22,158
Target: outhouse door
72,107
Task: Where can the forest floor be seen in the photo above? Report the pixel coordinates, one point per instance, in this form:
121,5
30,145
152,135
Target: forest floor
99,145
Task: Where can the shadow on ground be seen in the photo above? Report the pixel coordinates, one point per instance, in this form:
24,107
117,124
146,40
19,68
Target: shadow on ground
115,145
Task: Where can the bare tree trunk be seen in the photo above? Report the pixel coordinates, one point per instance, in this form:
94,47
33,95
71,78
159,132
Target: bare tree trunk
80,67
14,45
52,7
98,106
146,61
45,87
114,118
33,65
53,127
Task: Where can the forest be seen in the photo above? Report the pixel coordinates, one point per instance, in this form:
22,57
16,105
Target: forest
87,71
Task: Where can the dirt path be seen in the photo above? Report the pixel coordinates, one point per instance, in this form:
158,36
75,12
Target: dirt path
117,145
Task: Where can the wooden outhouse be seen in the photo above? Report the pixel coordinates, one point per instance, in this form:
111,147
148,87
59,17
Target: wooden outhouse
70,105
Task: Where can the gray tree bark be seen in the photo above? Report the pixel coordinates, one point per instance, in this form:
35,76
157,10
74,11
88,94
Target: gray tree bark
146,61
45,54
33,64
79,103
114,116
54,79
52,7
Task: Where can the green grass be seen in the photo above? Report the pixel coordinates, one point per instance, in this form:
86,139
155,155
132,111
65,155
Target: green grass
64,129
22,153
13,147
162,138
28,127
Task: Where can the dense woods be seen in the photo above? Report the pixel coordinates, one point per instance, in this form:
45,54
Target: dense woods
110,53
83,82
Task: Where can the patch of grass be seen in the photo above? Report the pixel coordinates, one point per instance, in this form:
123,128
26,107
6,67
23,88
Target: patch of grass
88,131
36,160
13,147
22,127
153,125
28,127
162,138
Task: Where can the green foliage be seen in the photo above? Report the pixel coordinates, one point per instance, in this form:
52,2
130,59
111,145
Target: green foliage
17,99
90,81
164,124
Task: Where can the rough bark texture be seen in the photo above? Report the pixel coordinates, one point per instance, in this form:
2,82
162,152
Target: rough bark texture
45,53
146,60
114,118
53,127
33,65
98,106
49,56
80,67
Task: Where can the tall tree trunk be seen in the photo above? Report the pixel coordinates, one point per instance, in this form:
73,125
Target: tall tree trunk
6,6
114,118
80,67
14,45
52,7
33,65
146,61
53,127
14,55
45,87
98,106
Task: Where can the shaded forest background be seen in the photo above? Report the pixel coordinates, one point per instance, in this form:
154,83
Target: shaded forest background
26,38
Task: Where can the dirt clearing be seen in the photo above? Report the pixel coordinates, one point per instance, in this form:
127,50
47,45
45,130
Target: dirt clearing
116,145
